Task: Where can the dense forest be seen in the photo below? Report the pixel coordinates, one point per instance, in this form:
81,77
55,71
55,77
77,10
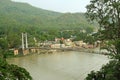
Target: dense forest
16,18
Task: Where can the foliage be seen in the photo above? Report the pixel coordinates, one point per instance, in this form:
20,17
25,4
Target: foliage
110,71
107,14
3,44
12,72
90,39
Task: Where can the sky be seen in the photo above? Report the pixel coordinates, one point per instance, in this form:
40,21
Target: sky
63,6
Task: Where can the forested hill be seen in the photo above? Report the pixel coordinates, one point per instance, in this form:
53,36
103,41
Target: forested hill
25,14
16,18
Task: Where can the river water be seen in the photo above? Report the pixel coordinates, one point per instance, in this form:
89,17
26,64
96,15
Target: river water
60,65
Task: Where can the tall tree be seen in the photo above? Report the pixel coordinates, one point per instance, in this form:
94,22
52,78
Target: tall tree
107,14
10,71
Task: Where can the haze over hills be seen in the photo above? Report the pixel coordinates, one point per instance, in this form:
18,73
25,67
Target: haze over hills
16,18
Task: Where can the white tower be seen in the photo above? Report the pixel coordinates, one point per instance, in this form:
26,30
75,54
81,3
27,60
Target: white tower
24,41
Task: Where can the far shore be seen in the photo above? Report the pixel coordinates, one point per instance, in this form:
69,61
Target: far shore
88,50
45,50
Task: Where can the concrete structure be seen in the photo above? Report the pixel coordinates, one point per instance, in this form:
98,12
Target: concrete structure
68,43
16,52
25,49
80,43
24,41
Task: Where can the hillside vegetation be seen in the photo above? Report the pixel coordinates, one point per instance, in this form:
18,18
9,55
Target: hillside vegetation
16,18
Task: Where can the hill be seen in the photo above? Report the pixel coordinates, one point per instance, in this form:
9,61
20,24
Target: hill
16,18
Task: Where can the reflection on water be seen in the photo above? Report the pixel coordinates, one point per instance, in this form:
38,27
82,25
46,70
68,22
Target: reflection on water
60,66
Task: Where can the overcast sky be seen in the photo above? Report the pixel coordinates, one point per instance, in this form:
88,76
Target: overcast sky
59,5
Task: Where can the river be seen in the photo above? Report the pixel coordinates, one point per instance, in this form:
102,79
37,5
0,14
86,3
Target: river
69,65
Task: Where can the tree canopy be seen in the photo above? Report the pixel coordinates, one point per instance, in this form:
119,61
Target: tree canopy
110,71
12,72
107,14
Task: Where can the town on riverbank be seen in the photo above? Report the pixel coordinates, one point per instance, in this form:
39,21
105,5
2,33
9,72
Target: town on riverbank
59,44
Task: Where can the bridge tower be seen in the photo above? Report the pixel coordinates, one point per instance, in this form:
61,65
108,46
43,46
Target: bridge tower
24,41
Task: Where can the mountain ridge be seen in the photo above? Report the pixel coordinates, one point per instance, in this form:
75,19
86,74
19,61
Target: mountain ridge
22,10
16,18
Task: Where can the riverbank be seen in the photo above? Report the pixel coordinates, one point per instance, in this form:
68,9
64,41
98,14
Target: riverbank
56,50
87,50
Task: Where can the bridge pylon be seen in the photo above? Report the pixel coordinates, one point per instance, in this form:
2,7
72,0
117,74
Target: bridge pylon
24,41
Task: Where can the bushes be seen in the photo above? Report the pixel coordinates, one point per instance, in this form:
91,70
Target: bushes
110,71
10,71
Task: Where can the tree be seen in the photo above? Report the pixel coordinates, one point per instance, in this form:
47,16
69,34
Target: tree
3,48
3,44
12,72
90,39
107,14
110,71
